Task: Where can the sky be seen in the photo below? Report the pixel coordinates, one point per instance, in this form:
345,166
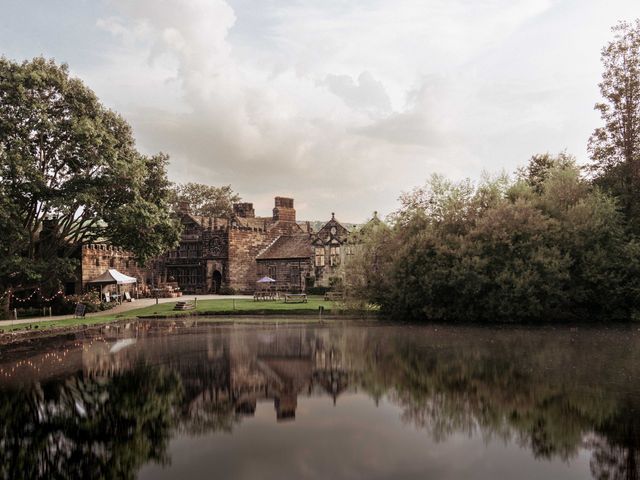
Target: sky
341,104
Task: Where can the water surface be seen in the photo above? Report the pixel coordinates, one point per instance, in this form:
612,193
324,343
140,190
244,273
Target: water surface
341,400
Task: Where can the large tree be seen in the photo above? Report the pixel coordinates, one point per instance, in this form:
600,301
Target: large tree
70,174
615,147
205,200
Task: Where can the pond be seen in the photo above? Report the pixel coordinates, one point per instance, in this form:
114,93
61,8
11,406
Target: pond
157,400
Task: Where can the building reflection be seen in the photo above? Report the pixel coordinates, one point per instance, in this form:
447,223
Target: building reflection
237,370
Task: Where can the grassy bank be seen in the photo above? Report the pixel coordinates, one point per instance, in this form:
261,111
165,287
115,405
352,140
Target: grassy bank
205,307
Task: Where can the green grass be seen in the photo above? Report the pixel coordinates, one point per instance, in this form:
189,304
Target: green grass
205,307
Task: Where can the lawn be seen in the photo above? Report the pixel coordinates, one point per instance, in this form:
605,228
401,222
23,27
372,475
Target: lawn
205,307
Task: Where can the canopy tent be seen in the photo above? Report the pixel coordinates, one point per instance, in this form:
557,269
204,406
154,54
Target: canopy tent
114,276
266,280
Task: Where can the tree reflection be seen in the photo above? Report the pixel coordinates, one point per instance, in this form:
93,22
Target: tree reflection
544,392
88,427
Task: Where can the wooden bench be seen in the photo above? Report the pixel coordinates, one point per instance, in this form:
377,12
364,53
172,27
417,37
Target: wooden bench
184,306
295,298
334,296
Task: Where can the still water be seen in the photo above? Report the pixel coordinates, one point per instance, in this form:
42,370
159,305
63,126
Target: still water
340,400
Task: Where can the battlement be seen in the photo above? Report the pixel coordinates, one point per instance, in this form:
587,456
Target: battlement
244,210
103,247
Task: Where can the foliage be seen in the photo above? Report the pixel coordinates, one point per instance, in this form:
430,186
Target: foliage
70,174
204,200
365,269
546,246
319,290
615,147
227,290
91,300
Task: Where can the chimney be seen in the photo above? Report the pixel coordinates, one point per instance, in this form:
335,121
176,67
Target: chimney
184,207
244,210
284,210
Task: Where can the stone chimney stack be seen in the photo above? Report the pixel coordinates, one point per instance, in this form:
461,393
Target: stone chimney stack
284,210
184,207
244,210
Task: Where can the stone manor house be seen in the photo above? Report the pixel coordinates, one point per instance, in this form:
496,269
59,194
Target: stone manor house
230,254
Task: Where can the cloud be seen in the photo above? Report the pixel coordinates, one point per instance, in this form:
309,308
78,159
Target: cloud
366,94
342,104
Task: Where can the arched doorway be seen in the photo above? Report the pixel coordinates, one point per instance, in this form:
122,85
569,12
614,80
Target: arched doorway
217,281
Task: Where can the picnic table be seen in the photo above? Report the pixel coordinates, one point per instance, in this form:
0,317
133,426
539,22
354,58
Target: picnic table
295,298
266,295
334,296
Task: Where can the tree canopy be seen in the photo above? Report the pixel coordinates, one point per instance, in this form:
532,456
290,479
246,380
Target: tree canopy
547,245
70,174
204,200
615,146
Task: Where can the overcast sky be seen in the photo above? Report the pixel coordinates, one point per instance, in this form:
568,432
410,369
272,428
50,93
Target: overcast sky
340,104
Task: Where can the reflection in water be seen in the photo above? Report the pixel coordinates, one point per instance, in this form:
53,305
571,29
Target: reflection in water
104,405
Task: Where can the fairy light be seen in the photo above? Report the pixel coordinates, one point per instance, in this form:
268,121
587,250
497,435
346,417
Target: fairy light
28,298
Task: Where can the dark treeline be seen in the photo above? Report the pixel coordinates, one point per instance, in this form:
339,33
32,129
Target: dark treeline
554,242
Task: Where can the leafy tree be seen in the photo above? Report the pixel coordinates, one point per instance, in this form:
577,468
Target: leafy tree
70,174
540,166
615,147
545,247
364,270
204,200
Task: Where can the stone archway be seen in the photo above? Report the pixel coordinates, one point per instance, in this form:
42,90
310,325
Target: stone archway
217,281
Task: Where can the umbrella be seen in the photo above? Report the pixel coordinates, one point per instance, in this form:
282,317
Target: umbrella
266,280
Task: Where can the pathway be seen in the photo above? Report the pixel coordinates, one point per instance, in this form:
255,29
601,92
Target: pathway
126,306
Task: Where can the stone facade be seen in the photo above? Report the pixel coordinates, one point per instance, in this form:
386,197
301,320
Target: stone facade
329,250
95,259
218,255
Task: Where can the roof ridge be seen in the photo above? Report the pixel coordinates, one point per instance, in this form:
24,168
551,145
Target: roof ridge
269,246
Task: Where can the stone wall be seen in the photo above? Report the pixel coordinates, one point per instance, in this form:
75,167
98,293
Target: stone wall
244,245
98,258
290,274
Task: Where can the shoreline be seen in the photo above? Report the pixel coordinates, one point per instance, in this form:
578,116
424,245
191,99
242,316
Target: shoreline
218,318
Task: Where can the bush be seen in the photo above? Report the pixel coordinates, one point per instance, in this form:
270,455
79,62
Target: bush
317,290
90,299
227,290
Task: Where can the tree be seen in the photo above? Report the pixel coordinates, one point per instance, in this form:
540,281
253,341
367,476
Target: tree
615,147
548,246
69,175
540,166
205,200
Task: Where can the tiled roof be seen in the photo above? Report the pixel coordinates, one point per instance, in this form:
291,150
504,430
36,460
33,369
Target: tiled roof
254,222
288,246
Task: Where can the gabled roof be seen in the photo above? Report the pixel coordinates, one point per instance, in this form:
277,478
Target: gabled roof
288,246
325,233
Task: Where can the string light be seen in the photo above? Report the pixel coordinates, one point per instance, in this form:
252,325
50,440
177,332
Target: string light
27,299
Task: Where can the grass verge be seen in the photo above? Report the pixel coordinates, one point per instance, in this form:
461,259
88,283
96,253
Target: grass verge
205,307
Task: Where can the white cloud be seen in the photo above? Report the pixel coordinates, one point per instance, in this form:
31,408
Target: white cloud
345,104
